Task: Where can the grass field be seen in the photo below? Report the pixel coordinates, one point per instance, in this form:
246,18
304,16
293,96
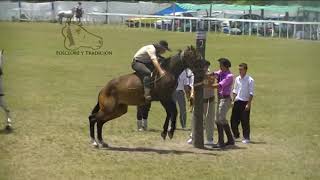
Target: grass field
51,97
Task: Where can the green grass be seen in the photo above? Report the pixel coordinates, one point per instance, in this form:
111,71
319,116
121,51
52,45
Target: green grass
51,97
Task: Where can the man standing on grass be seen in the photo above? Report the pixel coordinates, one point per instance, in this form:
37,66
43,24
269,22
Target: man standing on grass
208,108
242,96
224,85
185,82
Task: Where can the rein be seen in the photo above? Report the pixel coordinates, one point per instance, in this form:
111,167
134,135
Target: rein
181,55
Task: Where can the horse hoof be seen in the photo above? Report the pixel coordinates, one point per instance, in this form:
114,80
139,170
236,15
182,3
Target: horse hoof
163,135
94,143
103,145
170,134
8,128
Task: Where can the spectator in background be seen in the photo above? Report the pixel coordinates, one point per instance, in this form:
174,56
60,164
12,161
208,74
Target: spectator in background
79,12
208,108
224,85
242,96
2,101
185,82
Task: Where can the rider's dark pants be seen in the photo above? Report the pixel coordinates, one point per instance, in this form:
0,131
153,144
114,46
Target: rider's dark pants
144,70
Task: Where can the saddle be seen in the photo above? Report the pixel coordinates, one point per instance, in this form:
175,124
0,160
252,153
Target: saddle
154,74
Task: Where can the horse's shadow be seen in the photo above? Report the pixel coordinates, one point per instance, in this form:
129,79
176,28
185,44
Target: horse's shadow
159,151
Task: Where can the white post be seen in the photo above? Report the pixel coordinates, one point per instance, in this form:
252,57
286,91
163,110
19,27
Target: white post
272,32
184,25
310,32
287,31
249,28
257,29
172,26
242,28
318,33
302,31
190,25
279,30
294,30
264,29
209,25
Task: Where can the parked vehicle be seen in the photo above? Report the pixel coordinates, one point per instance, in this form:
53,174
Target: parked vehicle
143,22
178,23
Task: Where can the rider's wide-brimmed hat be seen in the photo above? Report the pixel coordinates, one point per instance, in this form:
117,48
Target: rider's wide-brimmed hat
164,45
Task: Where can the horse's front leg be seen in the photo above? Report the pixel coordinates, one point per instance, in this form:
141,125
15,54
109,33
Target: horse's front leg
166,122
173,111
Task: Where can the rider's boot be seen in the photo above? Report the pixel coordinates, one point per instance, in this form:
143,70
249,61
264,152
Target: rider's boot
147,89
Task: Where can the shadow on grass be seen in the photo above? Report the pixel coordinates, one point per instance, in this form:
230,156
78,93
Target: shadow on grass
178,129
159,151
183,129
6,131
252,142
154,130
258,142
231,148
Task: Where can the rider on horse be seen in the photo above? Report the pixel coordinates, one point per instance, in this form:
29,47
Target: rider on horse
144,62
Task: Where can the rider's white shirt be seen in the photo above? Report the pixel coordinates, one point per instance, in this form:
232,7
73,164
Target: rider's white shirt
146,53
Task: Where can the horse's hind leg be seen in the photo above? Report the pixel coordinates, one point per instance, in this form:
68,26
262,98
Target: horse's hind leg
118,111
92,121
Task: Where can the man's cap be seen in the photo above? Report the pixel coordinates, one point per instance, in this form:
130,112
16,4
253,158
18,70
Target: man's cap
164,44
225,62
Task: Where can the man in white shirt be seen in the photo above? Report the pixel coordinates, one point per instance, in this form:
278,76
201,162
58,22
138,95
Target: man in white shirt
185,80
243,92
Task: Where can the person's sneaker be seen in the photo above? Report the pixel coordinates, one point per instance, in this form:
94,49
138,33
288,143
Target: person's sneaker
189,141
245,141
209,143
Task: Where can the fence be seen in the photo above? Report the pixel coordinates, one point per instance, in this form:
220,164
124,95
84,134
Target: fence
94,13
267,28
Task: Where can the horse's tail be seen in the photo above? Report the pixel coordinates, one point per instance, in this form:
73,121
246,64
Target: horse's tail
94,111
96,108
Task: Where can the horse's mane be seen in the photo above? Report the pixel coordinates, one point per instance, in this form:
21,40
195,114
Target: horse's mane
165,62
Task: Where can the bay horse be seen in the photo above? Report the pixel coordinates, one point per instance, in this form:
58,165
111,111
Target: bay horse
115,97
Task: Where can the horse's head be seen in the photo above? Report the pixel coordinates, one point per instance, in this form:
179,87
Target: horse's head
76,36
193,60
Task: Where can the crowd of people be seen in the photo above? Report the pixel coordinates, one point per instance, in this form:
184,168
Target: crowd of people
231,93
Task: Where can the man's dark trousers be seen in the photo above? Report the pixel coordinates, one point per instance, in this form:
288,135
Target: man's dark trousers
239,114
